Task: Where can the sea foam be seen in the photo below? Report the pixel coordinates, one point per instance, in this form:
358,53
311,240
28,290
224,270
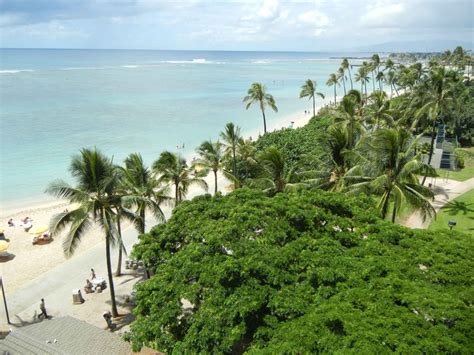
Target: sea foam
14,71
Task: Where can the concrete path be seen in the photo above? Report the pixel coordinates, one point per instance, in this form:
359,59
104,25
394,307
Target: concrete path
56,286
445,191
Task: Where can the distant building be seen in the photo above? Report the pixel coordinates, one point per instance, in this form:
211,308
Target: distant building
65,336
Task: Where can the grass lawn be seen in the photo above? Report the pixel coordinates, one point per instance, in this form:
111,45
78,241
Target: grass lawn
460,210
467,172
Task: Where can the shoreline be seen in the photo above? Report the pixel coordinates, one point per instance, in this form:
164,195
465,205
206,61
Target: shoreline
31,261
31,206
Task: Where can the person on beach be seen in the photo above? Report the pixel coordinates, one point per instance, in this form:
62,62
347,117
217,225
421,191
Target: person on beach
89,288
10,223
43,310
93,274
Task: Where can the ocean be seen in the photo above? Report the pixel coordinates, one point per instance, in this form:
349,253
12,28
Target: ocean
55,102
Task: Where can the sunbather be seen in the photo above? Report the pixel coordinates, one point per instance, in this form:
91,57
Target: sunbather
89,288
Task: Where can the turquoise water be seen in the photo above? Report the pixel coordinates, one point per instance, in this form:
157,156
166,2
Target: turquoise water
54,102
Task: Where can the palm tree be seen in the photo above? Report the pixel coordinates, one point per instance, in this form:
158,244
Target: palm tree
336,167
375,65
173,169
231,137
391,79
212,158
258,94
309,90
96,199
397,171
345,65
275,175
332,81
379,109
138,181
440,94
342,76
363,76
347,116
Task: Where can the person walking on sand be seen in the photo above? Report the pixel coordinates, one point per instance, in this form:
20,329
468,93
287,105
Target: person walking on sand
93,274
43,310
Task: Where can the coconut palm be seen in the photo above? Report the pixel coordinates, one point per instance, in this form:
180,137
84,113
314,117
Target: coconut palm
212,158
391,80
362,75
96,200
332,81
346,66
275,176
379,109
257,93
397,173
348,115
439,96
172,169
138,180
375,66
336,167
309,90
341,75
231,137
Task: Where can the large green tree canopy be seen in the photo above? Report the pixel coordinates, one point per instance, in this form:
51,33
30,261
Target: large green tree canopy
302,272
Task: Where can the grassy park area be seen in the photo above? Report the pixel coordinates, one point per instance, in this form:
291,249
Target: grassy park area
463,174
460,210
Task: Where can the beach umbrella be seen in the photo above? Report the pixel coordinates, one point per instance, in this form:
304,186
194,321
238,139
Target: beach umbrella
38,229
3,245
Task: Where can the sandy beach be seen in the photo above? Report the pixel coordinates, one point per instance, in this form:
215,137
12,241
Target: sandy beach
31,261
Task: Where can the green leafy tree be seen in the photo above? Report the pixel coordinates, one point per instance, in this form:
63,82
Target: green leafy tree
307,272
309,90
258,94
96,200
172,169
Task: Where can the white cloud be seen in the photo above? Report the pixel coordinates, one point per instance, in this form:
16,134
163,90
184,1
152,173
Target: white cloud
383,14
269,9
314,17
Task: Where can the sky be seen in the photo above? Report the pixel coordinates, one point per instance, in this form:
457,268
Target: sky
291,25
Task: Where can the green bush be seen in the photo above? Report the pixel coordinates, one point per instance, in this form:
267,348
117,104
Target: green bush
303,272
459,159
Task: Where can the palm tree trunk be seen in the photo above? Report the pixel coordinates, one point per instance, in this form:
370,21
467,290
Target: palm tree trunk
373,81
344,84
215,182
394,212
391,91
350,77
314,107
142,221
118,272
109,273
395,89
264,122
176,194
334,94
430,156
234,161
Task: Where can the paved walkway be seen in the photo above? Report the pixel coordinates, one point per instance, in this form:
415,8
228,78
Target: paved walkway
56,286
445,191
